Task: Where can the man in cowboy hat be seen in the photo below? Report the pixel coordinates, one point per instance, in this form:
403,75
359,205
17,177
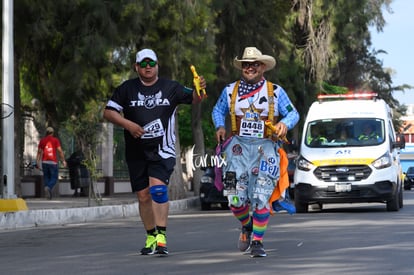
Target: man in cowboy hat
252,152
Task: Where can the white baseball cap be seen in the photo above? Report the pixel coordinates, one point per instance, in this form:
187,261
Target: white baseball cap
146,53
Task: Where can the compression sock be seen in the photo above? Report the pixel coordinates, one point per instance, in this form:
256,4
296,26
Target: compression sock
161,230
260,221
242,214
152,232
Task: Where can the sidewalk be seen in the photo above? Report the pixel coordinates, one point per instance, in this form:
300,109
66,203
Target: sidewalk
72,202
66,210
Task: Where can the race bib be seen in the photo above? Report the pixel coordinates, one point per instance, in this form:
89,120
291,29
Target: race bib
252,128
153,129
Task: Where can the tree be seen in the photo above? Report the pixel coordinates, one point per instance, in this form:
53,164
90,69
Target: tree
63,49
78,51
63,53
71,54
334,40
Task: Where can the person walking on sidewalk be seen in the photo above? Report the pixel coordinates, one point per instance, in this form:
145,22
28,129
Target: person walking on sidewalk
47,160
251,155
148,104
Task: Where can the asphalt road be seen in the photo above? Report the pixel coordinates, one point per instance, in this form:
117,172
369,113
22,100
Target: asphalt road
342,239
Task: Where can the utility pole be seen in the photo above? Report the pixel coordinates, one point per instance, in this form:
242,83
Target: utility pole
9,201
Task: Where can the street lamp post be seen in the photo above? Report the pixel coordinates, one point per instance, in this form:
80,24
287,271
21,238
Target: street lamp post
9,201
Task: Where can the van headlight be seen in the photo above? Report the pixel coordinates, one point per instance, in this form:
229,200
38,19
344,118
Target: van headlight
304,164
382,162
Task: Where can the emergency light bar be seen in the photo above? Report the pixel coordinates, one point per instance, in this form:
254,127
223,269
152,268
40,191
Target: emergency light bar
351,95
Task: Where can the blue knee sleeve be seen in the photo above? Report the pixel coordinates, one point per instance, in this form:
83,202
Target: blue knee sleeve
159,193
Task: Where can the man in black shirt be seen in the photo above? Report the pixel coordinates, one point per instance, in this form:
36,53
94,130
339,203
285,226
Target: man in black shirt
148,104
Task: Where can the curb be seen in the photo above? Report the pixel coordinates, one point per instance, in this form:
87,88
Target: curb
47,217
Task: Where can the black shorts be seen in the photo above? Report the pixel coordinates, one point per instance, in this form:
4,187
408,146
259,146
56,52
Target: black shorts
141,170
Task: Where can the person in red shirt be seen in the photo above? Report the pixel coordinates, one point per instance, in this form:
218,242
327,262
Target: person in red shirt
47,160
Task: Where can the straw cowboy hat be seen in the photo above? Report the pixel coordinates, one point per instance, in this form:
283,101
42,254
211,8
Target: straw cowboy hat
252,54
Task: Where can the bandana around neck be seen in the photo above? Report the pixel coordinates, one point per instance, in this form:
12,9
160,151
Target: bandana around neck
245,88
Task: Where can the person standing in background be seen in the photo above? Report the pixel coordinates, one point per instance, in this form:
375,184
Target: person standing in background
47,160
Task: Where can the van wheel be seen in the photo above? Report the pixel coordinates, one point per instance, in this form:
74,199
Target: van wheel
301,207
400,198
393,205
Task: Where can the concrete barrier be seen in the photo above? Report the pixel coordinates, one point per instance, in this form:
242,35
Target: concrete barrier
49,217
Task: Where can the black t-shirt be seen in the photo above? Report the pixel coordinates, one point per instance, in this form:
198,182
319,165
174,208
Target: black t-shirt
153,108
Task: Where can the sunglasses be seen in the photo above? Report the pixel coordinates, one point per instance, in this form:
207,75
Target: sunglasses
143,64
255,65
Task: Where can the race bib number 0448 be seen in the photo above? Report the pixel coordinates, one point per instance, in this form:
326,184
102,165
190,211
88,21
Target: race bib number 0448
249,128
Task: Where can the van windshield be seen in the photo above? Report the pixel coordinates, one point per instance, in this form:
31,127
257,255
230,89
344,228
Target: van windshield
345,132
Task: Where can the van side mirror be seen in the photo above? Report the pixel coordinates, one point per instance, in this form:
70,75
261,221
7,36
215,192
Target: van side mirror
400,141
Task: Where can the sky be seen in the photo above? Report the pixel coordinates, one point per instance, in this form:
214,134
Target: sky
397,40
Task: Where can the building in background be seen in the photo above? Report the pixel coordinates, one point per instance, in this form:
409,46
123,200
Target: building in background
407,154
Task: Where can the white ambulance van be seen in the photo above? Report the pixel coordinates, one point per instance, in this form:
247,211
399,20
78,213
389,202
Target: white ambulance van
348,153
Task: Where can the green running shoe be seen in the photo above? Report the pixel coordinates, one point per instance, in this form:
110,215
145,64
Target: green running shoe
150,245
161,244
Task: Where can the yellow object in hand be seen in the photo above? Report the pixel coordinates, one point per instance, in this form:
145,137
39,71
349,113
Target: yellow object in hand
272,127
196,81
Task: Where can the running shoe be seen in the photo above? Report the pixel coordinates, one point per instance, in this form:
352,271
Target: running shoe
150,245
161,244
244,239
257,249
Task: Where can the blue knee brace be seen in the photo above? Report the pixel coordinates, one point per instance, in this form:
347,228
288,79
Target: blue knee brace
159,193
